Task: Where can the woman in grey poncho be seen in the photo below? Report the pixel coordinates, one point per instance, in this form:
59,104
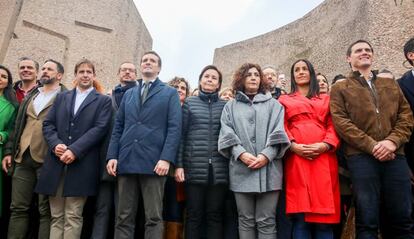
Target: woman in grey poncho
252,136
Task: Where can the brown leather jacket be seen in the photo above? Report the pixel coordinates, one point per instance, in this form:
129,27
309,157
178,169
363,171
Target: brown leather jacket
363,115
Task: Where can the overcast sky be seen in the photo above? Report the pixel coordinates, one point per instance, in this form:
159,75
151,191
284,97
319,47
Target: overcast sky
186,32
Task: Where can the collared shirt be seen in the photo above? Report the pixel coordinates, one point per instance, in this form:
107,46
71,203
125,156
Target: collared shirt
412,72
369,81
150,84
41,100
20,93
80,97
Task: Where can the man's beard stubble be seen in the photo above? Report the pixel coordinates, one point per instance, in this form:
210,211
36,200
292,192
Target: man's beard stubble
47,81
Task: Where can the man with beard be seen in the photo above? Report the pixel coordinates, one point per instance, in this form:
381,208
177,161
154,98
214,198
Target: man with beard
73,129
127,75
28,69
271,76
28,148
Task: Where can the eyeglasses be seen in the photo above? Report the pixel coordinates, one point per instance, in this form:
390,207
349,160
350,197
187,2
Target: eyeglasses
127,69
270,74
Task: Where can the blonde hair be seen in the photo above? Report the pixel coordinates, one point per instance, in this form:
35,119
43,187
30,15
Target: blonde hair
226,90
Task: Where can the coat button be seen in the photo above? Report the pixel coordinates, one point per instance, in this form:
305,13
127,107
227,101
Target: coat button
70,137
136,140
253,140
72,124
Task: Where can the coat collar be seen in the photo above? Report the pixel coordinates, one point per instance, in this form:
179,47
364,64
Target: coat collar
260,97
213,97
407,82
71,97
360,78
156,86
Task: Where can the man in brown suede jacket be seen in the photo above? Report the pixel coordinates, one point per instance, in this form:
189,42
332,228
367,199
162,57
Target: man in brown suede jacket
374,120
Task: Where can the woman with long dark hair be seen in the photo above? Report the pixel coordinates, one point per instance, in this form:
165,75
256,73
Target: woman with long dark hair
8,106
323,83
199,163
252,136
311,169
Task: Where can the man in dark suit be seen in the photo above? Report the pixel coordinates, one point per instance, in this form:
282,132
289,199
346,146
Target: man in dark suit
407,86
73,129
144,143
27,148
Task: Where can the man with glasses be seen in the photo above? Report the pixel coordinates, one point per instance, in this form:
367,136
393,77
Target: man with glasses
271,77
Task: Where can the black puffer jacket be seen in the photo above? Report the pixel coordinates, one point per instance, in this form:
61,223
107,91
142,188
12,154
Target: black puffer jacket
198,148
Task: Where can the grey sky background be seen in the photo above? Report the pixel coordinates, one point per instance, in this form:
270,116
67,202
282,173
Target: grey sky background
186,32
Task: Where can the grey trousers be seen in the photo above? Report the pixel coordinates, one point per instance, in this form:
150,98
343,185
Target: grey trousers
257,214
152,189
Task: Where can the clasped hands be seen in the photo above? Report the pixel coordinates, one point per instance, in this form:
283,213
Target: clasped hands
65,155
309,151
384,150
254,162
161,168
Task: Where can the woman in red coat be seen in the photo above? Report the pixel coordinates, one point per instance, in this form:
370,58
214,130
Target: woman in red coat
311,169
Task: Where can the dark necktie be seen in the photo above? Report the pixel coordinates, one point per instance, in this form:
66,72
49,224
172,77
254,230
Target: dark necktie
145,92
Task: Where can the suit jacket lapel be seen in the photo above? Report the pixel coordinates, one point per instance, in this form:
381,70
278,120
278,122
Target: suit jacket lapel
48,104
70,101
89,99
155,88
408,83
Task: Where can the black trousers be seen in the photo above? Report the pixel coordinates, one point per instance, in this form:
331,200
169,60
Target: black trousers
204,201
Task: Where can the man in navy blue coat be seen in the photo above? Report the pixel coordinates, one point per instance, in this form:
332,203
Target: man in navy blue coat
407,86
144,143
73,129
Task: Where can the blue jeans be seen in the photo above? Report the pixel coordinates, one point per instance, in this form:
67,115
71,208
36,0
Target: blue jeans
306,230
387,183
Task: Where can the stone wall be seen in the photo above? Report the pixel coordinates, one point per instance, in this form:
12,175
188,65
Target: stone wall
323,35
107,32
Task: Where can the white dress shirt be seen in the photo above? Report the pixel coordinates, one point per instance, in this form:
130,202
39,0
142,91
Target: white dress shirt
80,97
41,100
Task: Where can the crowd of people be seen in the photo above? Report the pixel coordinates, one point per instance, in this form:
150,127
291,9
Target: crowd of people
253,160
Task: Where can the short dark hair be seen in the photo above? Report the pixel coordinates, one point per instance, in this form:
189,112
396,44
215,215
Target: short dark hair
86,62
210,67
8,92
313,82
349,51
409,47
240,76
174,82
153,53
59,66
26,58
338,77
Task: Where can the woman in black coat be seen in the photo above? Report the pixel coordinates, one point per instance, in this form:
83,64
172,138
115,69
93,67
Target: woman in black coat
199,164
